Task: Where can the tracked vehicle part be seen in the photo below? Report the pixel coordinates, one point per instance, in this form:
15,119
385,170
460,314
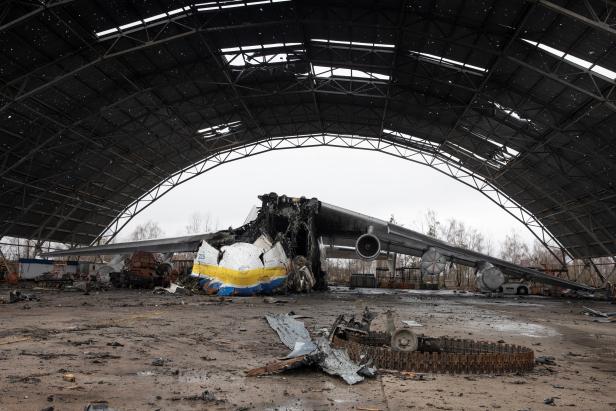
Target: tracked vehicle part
438,355
404,340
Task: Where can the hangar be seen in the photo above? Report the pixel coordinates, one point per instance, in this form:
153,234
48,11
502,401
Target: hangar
106,106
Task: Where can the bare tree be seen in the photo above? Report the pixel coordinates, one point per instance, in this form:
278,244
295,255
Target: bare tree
194,224
433,226
200,223
542,257
147,231
514,249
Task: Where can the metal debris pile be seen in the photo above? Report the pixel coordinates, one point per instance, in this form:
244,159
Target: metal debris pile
350,349
306,352
16,296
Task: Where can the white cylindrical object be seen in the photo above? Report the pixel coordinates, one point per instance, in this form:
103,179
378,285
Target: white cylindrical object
432,262
489,278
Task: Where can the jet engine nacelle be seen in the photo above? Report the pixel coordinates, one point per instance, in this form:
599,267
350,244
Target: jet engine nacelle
433,262
368,246
489,278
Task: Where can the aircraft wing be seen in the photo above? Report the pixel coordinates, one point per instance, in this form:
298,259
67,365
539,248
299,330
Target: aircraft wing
340,228
162,245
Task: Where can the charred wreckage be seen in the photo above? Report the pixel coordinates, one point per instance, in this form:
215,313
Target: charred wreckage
284,245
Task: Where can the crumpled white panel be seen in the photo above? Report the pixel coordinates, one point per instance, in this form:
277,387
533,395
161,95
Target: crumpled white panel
241,256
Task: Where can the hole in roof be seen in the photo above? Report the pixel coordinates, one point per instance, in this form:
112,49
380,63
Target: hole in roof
502,154
449,63
328,72
510,112
219,130
258,47
422,142
244,56
501,157
229,4
426,146
182,12
575,61
352,44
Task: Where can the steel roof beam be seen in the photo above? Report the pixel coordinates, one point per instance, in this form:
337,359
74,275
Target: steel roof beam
594,22
47,5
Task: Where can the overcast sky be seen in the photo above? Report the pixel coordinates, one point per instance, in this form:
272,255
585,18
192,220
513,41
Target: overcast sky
368,182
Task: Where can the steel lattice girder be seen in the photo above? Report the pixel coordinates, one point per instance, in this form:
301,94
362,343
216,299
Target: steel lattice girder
519,94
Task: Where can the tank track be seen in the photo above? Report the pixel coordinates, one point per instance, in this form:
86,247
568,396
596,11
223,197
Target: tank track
438,355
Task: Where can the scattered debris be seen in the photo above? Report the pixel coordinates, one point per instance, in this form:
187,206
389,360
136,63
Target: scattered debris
98,406
279,366
272,300
84,342
17,296
296,337
69,377
205,396
412,323
172,289
415,376
607,317
13,339
13,379
597,313
100,355
291,332
545,360
550,401
336,361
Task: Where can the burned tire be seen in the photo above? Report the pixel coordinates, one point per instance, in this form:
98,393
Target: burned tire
522,290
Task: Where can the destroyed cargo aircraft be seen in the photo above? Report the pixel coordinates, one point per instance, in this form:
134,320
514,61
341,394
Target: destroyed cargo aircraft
287,240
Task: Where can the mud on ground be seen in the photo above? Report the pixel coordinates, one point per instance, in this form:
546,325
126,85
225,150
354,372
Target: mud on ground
140,351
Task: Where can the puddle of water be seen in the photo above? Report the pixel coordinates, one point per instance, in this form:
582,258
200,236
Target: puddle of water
301,404
525,329
391,291
507,303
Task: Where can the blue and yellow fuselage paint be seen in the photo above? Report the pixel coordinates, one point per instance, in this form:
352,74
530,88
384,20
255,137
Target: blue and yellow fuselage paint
227,281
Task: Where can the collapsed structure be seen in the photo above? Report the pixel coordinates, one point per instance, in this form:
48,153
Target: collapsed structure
284,246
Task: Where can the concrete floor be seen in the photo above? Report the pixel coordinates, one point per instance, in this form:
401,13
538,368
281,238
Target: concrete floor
207,344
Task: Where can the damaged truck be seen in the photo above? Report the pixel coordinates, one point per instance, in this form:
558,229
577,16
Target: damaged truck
284,245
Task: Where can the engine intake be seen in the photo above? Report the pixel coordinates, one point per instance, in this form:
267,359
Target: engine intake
489,278
368,246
